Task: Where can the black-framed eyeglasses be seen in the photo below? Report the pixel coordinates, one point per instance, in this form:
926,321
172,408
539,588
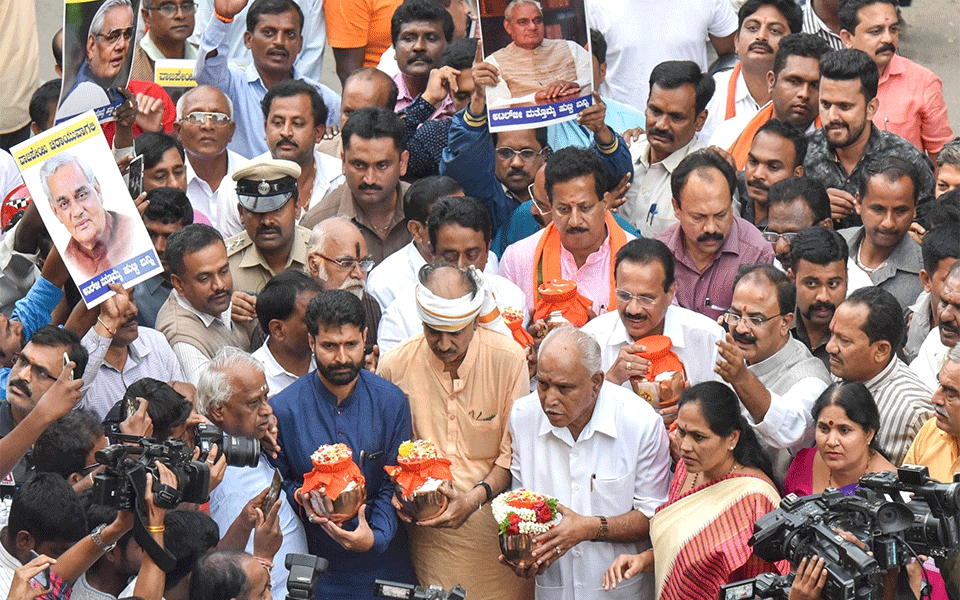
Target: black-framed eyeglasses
733,319
773,237
114,35
625,296
526,155
199,118
348,264
168,9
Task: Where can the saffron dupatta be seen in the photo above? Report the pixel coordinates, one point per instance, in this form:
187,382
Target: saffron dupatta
700,538
740,149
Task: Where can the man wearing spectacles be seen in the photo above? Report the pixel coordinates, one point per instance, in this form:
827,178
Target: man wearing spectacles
108,44
793,204
773,373
169,23
272,242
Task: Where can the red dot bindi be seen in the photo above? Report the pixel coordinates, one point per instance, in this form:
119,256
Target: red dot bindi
830,423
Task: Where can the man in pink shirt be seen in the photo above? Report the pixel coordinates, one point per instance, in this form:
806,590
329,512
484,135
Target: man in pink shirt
421,30
911,96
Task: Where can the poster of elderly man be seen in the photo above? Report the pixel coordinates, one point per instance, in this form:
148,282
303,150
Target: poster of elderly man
544,71
88,211
98,39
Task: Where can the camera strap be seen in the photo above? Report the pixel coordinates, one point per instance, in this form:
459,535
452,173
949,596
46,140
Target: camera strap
160,555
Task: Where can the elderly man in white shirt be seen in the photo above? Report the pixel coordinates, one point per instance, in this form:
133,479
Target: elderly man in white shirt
603,454
645,288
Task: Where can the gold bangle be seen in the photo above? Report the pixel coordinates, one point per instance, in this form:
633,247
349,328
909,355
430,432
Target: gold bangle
221,17
155,528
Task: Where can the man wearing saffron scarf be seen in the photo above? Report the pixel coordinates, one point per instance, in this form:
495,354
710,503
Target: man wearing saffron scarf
581,242
461,380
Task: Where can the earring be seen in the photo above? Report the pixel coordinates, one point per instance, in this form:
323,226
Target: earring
731,448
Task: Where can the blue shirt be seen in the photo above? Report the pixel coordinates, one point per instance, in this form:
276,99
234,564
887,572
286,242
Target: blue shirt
373,421
149,296
619,117
33,310
245,88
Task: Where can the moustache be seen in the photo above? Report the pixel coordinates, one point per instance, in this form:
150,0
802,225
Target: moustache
22,386
278,50
369,186
420,56
889,232
515,172
573,230
268,229
218,294
817,306
286,140
761,44
664,133
743,338
756,183
716,236
886,48
634,316
950,327
836,125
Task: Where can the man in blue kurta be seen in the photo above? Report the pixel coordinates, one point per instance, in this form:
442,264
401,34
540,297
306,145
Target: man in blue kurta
342,402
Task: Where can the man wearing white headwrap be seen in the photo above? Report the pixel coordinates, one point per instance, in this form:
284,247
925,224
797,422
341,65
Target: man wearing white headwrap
461,381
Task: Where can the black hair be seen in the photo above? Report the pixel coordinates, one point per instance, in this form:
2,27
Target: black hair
371,73
271,7
372,122
598,45
278,298
571,163
63,446
153,144
790,10
220,576
459,54
786,290
47,508
696,161
294,87
51,336
892,168
428,11
166,407
463,211
334,309
188,535
720,408
47,93
806,189
847,12
168,206
644,251
791,134
940,243
804,45
424,193
672,74
884,316
850,64
188,240
945,209
819,246
857,401
539,133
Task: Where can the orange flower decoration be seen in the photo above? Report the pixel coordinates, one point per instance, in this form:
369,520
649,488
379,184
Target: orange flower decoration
562,295
418,462
333,470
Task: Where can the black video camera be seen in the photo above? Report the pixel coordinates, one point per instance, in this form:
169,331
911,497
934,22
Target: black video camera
238,451
304,571
123,483
892,525
391,589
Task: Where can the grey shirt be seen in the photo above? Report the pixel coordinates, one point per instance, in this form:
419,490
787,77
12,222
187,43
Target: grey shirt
900,273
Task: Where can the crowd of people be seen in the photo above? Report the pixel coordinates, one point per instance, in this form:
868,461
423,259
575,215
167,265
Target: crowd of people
375,266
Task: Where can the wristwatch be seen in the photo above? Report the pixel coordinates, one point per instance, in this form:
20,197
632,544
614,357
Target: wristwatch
603,531
487,488
95,536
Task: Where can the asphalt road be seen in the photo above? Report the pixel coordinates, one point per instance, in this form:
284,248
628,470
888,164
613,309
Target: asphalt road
931,37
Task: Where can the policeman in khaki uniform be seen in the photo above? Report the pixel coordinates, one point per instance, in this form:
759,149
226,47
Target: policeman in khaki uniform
272,242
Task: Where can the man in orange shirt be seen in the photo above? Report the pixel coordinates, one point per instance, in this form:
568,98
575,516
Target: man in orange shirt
358,31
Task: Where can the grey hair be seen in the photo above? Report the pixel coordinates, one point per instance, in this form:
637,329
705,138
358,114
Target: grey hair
318,235
214,388
60,160
949,154
514,3
954,354
586,344
97,23
181,102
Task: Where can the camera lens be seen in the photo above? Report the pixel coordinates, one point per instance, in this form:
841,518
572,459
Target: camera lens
241,451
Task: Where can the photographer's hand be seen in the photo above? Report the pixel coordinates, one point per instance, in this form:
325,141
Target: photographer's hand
151,579
214,460
20,588
139,423
238,533
267,537
359,540
809,580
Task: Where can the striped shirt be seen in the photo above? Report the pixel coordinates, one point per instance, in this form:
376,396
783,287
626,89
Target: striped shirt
904,404
815,25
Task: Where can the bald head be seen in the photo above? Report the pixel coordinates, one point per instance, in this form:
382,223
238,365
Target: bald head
337,240
449,282
365,88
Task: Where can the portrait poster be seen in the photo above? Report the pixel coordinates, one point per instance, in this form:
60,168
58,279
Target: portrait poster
83,201
99,37
541,51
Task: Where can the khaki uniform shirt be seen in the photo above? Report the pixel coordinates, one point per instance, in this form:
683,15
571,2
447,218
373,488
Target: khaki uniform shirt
249,268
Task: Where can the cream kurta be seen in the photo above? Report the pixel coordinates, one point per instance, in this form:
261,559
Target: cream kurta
467,419
523,72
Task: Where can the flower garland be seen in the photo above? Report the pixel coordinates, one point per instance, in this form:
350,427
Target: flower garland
524,512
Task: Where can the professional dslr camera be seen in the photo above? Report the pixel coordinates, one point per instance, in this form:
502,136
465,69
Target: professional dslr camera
123,483
403,591
896,516
238,451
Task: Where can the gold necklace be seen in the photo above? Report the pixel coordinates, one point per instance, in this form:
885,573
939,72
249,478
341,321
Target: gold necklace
696,476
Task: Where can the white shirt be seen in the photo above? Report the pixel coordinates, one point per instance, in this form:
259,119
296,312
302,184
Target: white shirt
8,564
192,359
717,107
401,319
641,35
694,338
930,359
278,378
398,271
18,271
620,462
228,499
219,206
